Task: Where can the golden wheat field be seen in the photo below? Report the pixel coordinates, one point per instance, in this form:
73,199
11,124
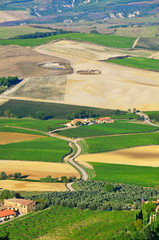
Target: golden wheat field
11,137
31,186
37,170
139,156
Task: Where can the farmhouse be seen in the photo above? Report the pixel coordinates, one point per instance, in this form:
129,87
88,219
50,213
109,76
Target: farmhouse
7,214
83,121
21,205
105,120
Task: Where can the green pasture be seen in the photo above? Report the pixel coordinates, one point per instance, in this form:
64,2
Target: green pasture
19,130
68,224
43,150
117,127
101,39
43,125
138,62
127,174
10,32
112,143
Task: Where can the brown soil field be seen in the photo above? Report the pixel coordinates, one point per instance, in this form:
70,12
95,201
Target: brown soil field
37,170
31,186
117,87
11,137
13,16
139,156
25,62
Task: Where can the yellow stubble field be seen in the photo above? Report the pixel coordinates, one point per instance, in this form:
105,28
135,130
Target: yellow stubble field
139,156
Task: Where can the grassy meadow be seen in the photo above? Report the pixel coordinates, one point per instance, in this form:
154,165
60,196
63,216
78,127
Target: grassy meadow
19,130
138,62
43,125
68,224
101,39
44,149
10,32
137,175
117,127
111,143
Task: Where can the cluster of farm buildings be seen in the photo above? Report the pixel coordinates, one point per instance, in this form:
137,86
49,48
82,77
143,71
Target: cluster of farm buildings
89,121
12,207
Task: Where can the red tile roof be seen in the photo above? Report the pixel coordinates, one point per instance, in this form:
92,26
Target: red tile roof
24,202
104,118
6,213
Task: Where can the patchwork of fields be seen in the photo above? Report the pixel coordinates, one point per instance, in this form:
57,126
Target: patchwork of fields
117,127
35,171
111,143
138,156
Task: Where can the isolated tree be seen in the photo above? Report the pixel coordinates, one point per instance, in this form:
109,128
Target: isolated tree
3,175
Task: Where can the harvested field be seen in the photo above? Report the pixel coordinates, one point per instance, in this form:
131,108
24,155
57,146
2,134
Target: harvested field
25,62
13,15
117,87
32,186
11,137
36,170
139,156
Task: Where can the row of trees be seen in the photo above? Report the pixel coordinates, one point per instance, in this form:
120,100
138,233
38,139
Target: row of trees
42,34
64,179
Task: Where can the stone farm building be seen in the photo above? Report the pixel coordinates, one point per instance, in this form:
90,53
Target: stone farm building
105,120
7,214
22,205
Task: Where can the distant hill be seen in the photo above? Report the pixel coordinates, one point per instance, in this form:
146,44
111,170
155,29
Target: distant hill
82,10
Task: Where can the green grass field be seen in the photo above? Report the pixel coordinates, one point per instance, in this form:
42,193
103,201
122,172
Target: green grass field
9,32
106,144
105,40
117,127
69,224
45,150
43,125
137,175
138,62
18,130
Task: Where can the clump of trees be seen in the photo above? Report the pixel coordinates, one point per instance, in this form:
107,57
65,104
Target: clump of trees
16,175
5,194
154,117
9,81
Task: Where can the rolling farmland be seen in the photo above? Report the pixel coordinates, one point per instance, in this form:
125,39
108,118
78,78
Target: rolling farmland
107,129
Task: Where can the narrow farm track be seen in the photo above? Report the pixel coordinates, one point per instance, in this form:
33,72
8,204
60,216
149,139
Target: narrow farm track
147,120
71,159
